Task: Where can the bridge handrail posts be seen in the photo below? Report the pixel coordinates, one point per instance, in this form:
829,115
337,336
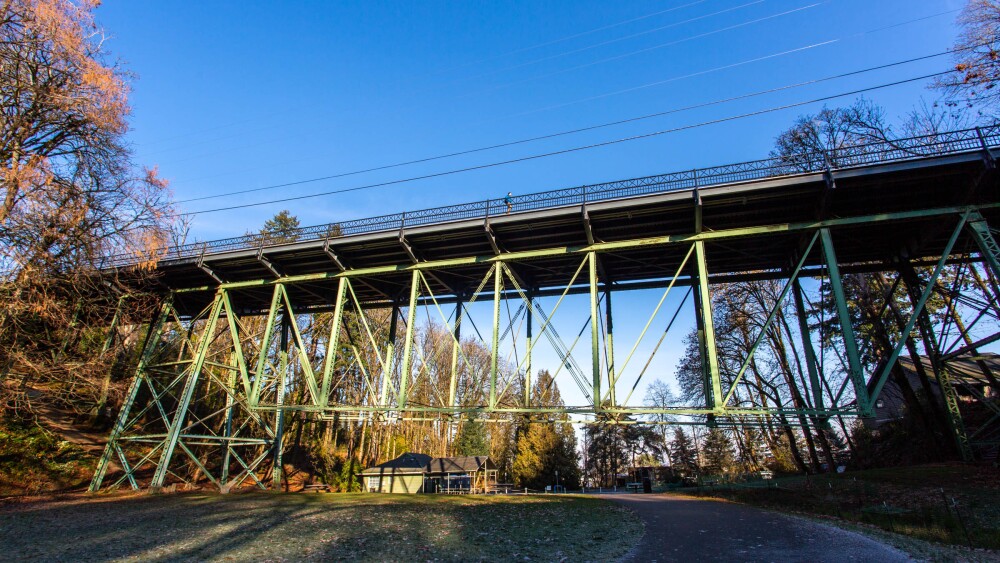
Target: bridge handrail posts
881,151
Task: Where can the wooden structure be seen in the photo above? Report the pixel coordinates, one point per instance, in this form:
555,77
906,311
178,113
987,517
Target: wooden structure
463,474
405,474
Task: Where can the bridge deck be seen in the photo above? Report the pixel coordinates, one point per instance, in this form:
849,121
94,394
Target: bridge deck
912,185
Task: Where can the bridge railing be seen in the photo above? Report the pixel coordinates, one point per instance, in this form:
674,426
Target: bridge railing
878,151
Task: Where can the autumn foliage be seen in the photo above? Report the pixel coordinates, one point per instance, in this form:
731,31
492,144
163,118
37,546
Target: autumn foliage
70,193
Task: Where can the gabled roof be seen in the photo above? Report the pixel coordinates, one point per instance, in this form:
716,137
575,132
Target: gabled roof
406,464
460,464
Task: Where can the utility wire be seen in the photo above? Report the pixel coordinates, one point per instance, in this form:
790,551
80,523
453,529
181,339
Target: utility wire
617,39
573,36
571,131
656,47
674,79
576,149
733,65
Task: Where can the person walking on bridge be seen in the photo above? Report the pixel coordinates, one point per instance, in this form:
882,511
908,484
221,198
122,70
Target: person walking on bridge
509,200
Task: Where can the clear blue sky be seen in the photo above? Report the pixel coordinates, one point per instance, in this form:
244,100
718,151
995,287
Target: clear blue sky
236,95
233,95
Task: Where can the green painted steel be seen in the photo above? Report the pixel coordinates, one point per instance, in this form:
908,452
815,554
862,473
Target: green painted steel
988,247
595,333
333,343
609,345
148,349
855,373
919,306
278,468
495,340
256,394
810,354
180,415
456,347
773,314
721,234
411,321
948,393
711,355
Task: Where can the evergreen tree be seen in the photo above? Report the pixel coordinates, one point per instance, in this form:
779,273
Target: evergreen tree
282,227
718,452
472,439
543,450
683,455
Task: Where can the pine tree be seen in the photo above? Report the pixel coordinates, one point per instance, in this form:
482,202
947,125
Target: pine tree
282,227
472,439
543,450
718,452
683,455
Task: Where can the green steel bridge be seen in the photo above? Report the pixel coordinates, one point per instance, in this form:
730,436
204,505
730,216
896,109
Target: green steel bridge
238,324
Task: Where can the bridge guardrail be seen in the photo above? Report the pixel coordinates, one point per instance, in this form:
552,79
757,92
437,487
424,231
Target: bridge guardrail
878,152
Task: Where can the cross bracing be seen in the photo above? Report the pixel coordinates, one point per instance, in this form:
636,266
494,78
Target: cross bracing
333,325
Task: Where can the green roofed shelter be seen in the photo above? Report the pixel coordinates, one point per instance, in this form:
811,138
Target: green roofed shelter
473,474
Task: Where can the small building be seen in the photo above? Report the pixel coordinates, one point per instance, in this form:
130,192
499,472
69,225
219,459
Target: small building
420,473
405,474
472,474
967,374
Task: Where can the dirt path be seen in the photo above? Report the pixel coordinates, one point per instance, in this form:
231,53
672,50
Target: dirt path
61,422
689,529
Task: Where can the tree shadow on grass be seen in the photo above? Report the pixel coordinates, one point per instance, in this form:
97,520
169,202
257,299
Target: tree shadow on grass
298,526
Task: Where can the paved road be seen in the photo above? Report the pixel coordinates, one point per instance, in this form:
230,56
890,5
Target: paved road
689,529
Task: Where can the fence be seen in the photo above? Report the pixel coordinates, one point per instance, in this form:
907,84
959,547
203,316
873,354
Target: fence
878,152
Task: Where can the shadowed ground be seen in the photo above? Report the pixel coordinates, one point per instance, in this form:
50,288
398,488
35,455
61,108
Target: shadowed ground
353,527
689,529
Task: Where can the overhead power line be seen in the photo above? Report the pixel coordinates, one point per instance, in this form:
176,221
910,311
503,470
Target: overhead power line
677,78
619,39
657,47
573,36
570,131
576,149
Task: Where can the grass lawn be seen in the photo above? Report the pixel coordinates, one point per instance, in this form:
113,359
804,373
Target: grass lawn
356,527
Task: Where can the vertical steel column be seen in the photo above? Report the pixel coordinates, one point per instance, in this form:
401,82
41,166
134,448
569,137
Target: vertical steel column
711,356
455,349
595,333
180,414
279,399
333,343
265,345
411,319
948,393
846,328
148,347
610,344
227,431
530,312
807,347
495,342
390,357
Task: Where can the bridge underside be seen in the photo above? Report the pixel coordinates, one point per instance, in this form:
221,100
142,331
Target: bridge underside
330,326
750,230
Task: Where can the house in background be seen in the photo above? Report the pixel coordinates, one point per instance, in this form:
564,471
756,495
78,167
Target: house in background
970,382
420,473
405,474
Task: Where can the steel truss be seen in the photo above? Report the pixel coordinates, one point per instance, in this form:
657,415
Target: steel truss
210,391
